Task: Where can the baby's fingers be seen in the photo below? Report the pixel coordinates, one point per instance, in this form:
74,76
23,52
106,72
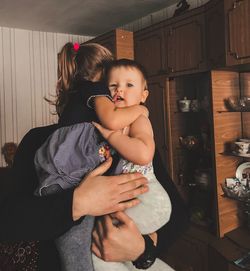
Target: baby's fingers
97,125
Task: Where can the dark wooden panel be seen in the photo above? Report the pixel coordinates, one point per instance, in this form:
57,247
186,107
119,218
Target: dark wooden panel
157,114
149,50
215,35
238,31
185,45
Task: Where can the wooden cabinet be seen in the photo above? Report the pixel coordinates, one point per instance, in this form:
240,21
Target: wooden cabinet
191,152
175,46
215,128
119,42
237,31
149,49
227,32
185,45
228,127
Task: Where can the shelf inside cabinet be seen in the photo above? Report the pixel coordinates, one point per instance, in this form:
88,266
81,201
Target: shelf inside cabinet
234,155
189,112
228,111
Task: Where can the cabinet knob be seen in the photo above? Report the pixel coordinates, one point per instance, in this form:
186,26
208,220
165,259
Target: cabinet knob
171,69
237,3
234,54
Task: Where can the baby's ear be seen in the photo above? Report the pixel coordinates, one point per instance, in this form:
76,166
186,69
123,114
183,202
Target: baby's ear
144,96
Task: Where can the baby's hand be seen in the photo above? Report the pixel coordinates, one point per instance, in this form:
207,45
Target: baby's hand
106,133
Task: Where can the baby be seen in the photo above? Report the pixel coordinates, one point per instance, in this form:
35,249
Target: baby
60,159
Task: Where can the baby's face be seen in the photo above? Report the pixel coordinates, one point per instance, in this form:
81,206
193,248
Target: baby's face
127,86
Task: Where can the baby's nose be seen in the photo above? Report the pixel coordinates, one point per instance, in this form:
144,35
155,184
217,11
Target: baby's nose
119,89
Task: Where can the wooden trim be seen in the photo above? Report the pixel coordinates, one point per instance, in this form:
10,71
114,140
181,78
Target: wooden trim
227,127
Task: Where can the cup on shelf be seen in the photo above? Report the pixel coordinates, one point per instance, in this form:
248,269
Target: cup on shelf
189,142
184,105
195,105
242,147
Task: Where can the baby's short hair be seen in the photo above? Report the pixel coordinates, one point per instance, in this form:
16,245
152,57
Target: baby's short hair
128,63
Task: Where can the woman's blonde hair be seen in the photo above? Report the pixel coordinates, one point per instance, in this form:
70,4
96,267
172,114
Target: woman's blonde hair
78,64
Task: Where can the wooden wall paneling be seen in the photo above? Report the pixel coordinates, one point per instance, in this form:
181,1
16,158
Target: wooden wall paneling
227,128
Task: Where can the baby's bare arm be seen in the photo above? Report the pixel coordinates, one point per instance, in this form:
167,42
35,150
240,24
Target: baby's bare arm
137,147
114,118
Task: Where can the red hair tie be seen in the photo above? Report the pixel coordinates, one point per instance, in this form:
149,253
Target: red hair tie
76,46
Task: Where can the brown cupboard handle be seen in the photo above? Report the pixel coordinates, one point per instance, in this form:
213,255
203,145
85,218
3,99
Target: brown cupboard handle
235,55
171,69
237,3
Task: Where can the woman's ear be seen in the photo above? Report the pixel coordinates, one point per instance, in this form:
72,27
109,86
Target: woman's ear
144,96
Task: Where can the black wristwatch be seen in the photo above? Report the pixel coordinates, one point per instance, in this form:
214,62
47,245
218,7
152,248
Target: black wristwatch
147,258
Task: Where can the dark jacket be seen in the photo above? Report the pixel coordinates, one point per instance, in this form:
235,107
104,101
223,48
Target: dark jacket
27,217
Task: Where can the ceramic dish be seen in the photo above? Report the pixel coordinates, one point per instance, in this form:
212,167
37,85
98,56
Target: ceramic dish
241,169
235,103
247,140
241,155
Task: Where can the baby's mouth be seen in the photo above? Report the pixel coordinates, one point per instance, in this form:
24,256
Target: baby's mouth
117,98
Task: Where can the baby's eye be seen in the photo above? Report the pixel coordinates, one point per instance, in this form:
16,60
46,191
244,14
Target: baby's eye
130,85
112,86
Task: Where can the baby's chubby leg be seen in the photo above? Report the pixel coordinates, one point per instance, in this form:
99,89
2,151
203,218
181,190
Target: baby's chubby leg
100,265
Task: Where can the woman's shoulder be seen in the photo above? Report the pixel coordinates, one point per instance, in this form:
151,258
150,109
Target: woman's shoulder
37,135
42,130
89,88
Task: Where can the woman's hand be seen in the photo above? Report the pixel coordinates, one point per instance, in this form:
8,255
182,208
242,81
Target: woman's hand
117,243
98,195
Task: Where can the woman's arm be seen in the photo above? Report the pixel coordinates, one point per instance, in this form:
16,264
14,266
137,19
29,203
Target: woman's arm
137,147
27,217
24,216
114,118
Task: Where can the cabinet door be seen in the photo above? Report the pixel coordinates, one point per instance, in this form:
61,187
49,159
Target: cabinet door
185,45
157,115
215,34
238,29
149,50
